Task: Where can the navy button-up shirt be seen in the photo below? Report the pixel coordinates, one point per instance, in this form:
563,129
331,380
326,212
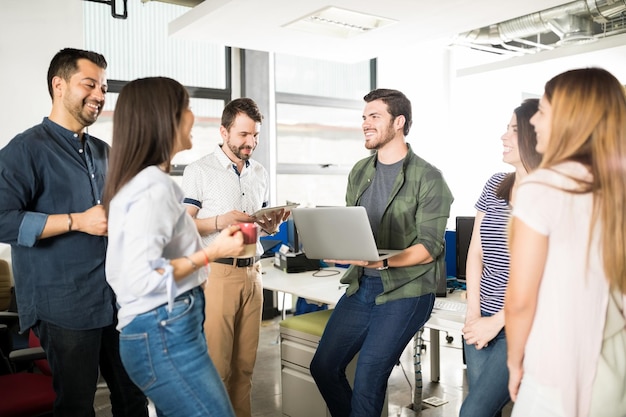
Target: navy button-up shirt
47,170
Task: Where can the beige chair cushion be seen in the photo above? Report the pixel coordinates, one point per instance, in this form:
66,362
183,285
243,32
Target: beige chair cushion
5,285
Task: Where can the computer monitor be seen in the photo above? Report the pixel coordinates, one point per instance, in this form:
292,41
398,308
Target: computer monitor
464,228
442,279
293,241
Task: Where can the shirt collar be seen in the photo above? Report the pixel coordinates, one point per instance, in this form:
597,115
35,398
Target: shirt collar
224,160
70,135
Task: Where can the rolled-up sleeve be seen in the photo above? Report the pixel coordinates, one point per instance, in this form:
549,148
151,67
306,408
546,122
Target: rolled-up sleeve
17,183
31,228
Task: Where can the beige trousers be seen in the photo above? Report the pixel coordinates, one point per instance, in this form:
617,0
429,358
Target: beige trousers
234,304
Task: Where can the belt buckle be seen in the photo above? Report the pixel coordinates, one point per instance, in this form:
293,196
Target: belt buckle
244,262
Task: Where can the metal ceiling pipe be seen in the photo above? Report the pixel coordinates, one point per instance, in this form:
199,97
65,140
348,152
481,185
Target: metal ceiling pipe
187,3
544,21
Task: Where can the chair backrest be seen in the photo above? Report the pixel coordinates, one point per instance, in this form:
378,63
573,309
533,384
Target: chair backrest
23,394
5,285
5,349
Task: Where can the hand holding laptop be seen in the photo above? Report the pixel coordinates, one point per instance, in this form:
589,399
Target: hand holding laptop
349,262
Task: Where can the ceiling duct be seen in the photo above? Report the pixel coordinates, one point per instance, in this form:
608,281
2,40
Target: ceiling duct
576,22
186,3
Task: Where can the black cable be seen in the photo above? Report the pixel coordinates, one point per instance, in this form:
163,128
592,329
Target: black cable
326,273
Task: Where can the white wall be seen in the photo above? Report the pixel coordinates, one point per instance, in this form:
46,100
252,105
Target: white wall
425,76
460,114
31,32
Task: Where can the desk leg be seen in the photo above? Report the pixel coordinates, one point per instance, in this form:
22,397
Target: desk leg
284,310
283,315
434,355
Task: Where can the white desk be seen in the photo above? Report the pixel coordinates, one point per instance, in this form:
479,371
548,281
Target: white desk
328,290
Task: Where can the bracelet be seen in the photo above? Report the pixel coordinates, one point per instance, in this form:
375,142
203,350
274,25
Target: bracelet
216,229
69,222
193,264
206,258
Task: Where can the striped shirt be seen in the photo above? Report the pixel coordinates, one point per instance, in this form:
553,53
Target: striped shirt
493,237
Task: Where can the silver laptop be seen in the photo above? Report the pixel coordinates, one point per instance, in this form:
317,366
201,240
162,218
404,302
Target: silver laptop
340,233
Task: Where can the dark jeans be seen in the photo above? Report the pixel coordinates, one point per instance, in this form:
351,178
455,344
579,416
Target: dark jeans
75,357
487,378
379,333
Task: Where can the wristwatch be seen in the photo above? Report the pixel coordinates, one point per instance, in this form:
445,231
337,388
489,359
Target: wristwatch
385,265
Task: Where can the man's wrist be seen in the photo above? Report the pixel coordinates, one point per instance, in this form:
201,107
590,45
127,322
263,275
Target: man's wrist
385,265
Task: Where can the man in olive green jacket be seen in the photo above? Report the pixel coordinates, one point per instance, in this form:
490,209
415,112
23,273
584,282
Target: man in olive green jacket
387,302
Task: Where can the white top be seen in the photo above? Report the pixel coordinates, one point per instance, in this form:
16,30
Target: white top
564,343
148,225
213,185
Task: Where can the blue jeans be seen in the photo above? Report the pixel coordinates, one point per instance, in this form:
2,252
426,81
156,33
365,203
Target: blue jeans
165,354
487,379
74,357
379,333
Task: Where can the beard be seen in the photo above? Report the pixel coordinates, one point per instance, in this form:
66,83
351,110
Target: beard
385,137
237,151
81,112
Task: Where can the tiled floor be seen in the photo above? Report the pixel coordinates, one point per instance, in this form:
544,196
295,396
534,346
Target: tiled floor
266,393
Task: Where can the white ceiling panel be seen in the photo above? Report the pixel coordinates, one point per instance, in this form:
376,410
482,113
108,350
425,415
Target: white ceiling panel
259,24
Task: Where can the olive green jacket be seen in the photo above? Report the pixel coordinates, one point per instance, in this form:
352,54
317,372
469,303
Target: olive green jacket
417,212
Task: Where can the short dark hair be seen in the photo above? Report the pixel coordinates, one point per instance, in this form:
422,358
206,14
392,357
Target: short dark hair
240,105
397,104
65,64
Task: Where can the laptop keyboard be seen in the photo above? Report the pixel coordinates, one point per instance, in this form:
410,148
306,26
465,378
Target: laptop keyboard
449,305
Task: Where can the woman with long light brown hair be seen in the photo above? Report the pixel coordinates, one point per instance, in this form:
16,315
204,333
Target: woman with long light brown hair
565,301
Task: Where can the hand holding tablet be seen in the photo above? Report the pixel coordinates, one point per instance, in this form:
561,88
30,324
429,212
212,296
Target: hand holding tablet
269,210
270,218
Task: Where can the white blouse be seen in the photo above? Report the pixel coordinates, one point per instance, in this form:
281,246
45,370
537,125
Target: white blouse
147,226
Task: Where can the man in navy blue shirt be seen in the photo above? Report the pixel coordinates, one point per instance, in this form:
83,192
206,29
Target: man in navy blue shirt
51,181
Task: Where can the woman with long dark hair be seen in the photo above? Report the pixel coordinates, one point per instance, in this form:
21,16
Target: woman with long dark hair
488,270
155,262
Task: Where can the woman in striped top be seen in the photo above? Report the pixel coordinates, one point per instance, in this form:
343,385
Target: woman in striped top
488,271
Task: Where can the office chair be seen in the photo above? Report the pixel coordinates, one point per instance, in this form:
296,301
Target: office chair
24,394
6,285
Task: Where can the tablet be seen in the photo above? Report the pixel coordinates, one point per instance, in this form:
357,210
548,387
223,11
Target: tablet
266,210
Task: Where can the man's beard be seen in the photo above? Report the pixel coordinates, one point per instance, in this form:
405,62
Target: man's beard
237,151
385,138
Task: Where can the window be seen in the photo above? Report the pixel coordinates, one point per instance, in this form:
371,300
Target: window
318,127
140,47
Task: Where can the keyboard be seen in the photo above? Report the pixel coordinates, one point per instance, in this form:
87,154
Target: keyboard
452,306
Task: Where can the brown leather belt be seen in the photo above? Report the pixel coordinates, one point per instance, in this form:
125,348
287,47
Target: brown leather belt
238,262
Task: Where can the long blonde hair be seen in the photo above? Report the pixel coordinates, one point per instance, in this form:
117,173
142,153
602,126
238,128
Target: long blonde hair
589,126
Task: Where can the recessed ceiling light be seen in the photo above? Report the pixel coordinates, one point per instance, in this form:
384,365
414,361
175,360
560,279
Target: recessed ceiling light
339,23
